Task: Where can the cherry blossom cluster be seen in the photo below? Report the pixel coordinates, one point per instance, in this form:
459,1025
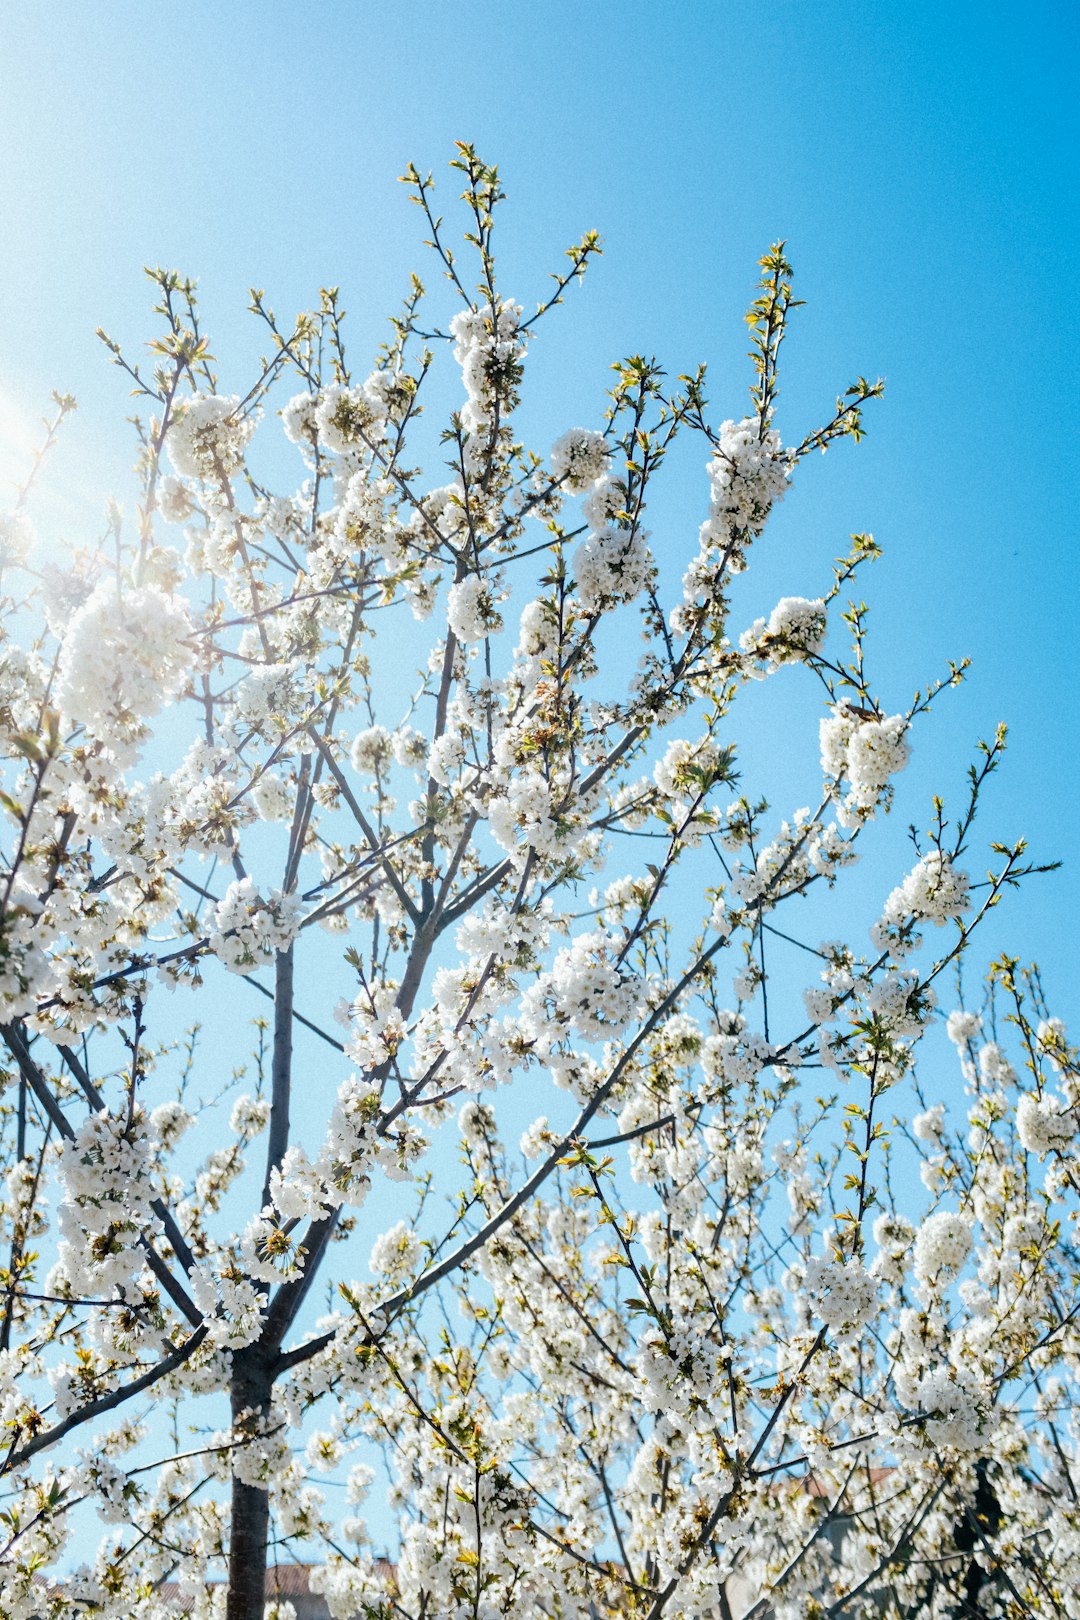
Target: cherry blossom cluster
418,1064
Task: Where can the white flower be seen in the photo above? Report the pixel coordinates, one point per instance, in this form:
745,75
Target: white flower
942,1244
470,608
247,931
590,991
107,1170
961,1413
476,1122
536,1139
347,418
16,538
489,354
298,1190
604,502
371,752
396,1253
748,473
298,419
249,1116
794,630
123,658
1044,1125
864,752
579,458
169,1122
611,565
323,1451
208,437
686,767
962,1027
934,890
894,1235
174,499
930,1126
272,798
844,1294
1051,1036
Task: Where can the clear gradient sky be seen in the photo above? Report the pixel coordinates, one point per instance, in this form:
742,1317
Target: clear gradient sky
921,160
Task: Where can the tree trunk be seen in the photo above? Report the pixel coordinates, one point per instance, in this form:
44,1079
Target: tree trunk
251,1387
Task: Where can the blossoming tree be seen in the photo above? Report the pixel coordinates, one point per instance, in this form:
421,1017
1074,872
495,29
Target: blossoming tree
701,1342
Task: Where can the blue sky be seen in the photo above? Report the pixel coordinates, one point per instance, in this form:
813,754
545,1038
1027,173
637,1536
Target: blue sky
920,160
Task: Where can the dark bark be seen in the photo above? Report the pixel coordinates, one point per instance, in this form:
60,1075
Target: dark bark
252,1377
250,1516
281,1072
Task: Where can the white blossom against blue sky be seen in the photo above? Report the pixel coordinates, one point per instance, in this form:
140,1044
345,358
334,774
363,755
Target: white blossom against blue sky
919,159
